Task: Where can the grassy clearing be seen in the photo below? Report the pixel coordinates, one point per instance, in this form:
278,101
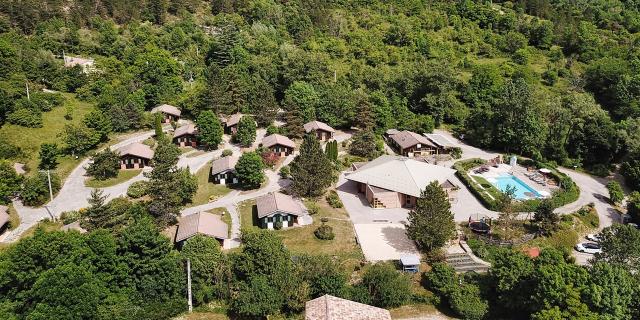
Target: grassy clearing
123,176
46,225
53,122
14,218
207,191
415,311
302,240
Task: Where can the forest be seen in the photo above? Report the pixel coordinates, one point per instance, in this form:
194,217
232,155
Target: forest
555,81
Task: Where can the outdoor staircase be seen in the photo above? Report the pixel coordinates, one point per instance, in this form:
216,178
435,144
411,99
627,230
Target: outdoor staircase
464,262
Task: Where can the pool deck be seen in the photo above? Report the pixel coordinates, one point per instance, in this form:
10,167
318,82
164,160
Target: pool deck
518,172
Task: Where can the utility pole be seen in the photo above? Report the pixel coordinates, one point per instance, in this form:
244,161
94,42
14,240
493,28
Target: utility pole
50,190
189,285
335,76
28,97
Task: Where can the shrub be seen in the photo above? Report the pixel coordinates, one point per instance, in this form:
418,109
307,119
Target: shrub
324,232
26,118
278,225
35,190
312,208
68,217
456,153
285,172
333,199
466,301
138,189
269,158
227,152
105,165
616,194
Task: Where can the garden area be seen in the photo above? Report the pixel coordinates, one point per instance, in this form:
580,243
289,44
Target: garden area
490,196
123,176
207,191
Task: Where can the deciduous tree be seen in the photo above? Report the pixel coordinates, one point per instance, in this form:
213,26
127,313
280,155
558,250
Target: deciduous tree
210,129
249,169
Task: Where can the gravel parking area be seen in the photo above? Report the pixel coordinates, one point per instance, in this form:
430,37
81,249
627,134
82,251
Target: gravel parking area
384,241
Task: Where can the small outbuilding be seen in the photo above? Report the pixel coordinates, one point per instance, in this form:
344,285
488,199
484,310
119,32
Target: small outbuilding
275,208
411,144
169,112
410,263
135,156
204,223
223,170
4,218
279,144
322,130
231,123
186,136
329,307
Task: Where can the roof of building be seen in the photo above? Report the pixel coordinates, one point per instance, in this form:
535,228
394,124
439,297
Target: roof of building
391,132
400,174
202,223
440,140
223,164
410,260
137,149
317,125
233,119
275,139
333,308
167,108
185,130
274,202
77,61
4,215
406,139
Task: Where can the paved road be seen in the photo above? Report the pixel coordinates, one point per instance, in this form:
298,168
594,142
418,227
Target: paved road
74,194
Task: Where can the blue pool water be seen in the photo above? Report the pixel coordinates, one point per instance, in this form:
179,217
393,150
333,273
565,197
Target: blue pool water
522,188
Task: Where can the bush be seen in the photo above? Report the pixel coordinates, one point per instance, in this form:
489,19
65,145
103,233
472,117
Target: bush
68,217
616,194
278,225
312,208
26,118
466,301
138,189
105,165
387,287
227,152
324,232
333,199
456,153
285,172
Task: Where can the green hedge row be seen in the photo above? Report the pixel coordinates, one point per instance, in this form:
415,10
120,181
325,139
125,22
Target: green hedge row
461,168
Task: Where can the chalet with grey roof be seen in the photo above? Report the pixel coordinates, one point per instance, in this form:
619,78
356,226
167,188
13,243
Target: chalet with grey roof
276,209
411,144
169,112
279,144
322,130
4,218
186,136
329,307
223,170
135,156
396,181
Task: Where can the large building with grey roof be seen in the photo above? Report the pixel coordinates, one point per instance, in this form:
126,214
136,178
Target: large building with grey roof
397,181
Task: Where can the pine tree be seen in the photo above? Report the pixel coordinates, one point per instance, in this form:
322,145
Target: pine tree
209,129
311,170
431,222
331,149
294,127
157,126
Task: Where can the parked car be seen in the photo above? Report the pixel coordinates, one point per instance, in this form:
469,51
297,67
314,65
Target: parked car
588,247
593,237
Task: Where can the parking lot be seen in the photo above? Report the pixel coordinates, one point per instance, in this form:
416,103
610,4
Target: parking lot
384,241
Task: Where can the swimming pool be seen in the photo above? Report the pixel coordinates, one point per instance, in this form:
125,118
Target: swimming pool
522,192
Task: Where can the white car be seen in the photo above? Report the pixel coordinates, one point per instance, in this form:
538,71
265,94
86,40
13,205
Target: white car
593,237
588,247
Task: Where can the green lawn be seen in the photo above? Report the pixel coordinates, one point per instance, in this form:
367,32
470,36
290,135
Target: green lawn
53,122
123,176
207,191
302,240
14,218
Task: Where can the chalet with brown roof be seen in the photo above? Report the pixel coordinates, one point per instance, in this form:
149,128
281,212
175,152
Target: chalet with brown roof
231,123
169,112
223,170
411,144
135,156
186,136
333,308
322,130
276,208
204,223
279,144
